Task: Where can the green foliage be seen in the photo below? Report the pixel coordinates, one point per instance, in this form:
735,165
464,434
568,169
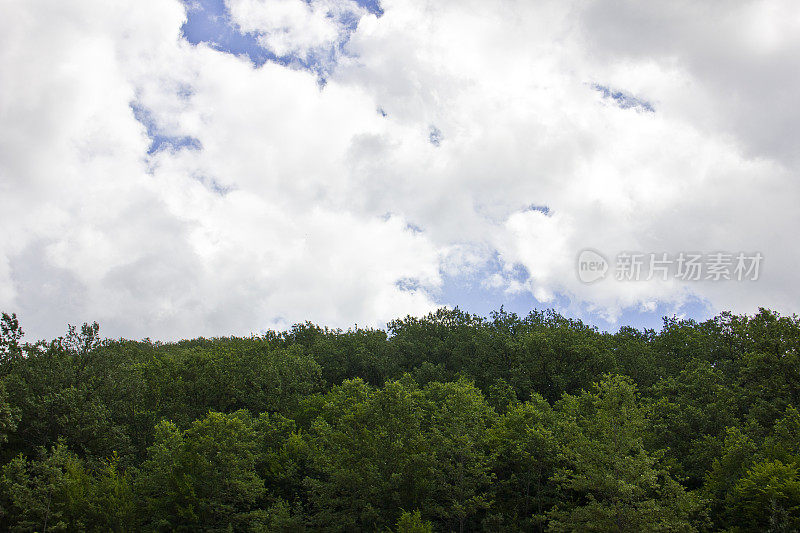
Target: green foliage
49,493
10,335
767,498
378,451
203,477
113,506
684,410
9,416
611,482
449,422
525,450
413,523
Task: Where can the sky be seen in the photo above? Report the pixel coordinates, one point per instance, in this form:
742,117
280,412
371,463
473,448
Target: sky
216,167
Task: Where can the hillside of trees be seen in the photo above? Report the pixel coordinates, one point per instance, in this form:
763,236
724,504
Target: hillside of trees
450,422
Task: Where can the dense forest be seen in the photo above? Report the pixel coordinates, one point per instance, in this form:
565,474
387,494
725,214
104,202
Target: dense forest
450,422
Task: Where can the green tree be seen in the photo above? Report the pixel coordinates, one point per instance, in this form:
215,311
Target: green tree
768,498
49,493
413,523
524,449
378,451
113,505
610,481
458,425
202,478
687,408
10,335
728,467
9,416
369,455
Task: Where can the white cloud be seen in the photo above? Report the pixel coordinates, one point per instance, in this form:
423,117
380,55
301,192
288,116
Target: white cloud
304,202
509,84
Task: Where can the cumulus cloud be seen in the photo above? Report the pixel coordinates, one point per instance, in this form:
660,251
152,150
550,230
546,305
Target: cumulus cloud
293,199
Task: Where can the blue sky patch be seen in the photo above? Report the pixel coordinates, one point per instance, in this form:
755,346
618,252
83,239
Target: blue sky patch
209,21
435,136
622,99
213,185
159,141
540,208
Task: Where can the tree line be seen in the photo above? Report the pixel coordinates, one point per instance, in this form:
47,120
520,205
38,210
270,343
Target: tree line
450,422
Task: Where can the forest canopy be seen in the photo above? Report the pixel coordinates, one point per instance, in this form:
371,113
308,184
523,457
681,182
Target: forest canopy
450,422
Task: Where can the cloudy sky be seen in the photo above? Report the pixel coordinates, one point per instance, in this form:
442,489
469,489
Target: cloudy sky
173,169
